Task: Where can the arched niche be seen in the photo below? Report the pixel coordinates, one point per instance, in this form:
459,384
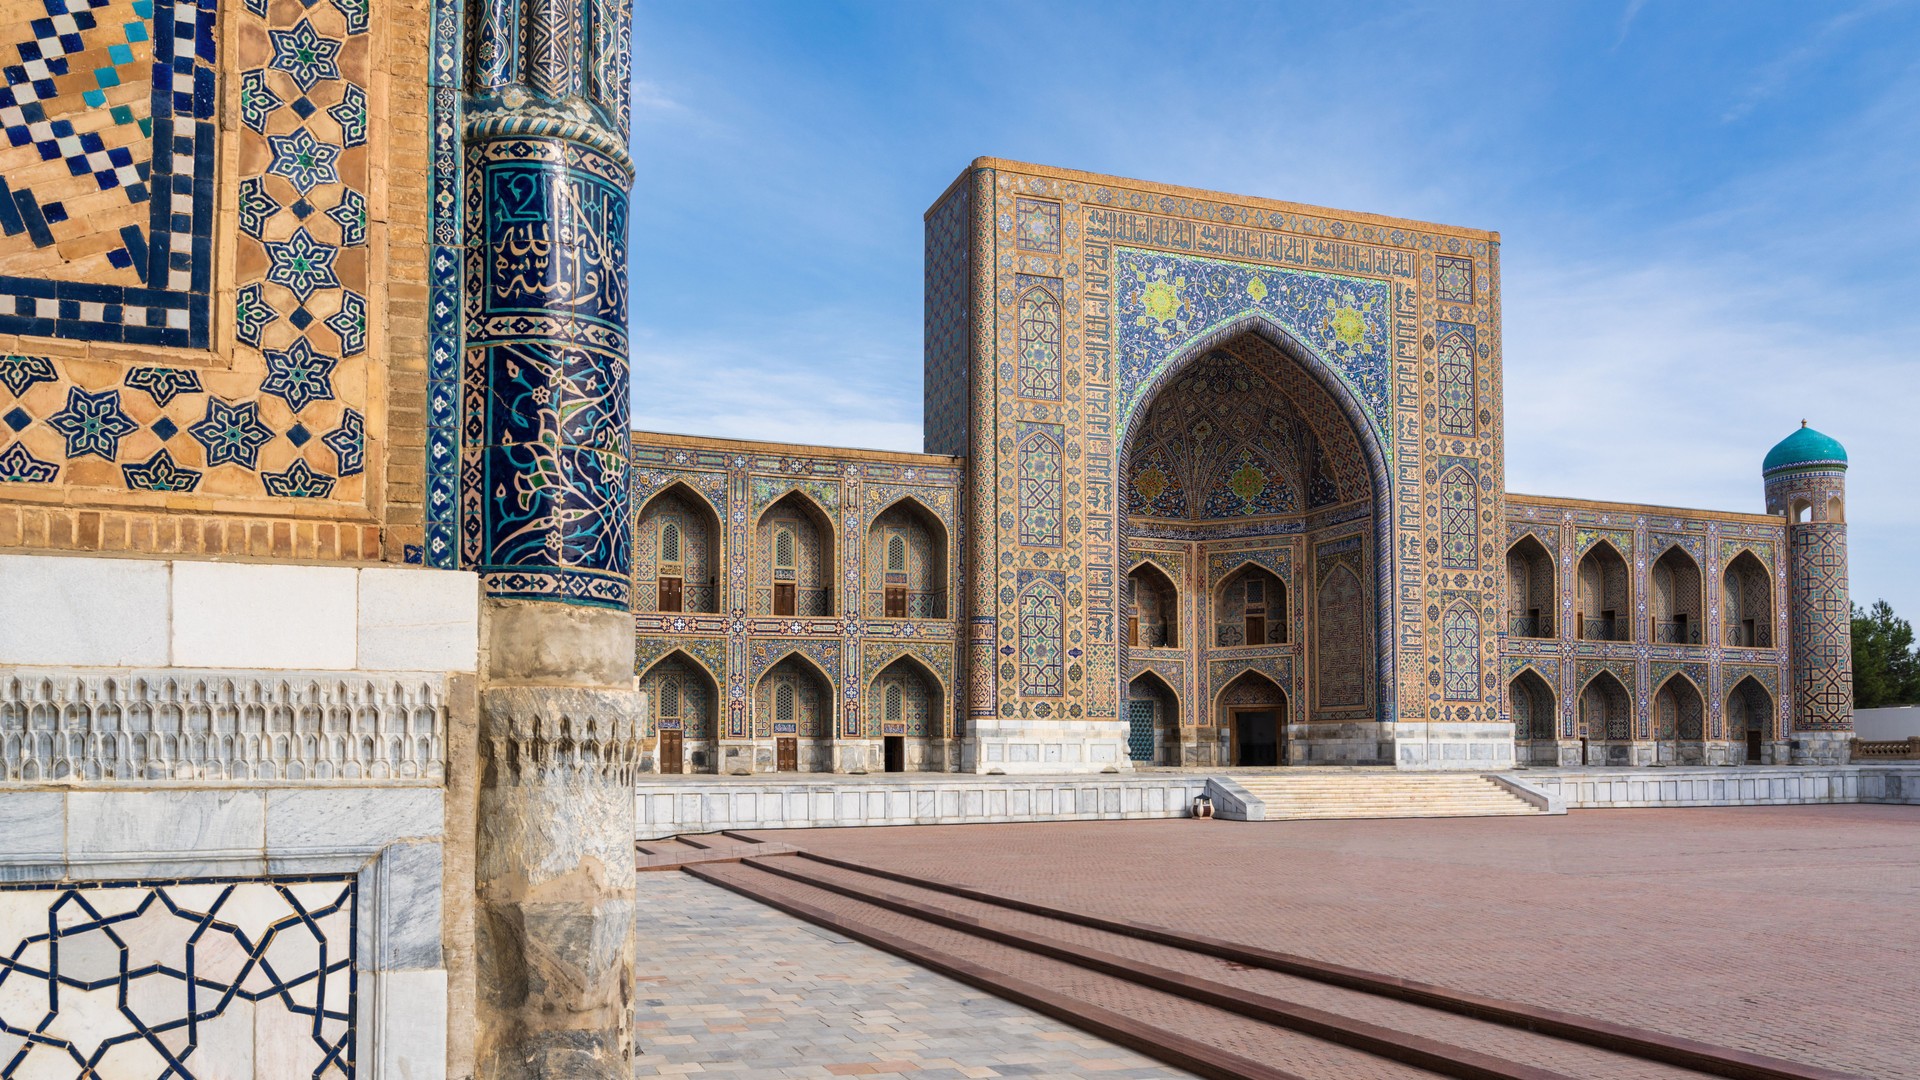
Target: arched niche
906,563
1535,719
677,553
794,559
1749,722
794,704
1250,608
1746,603
1153,622
683,702
1606,720
1253,710
1680,722
1603,599
1676,601
1153,721
1532,589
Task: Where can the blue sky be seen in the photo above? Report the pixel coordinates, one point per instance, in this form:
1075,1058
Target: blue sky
1710,212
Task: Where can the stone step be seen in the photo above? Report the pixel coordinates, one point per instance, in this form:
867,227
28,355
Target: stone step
1306,796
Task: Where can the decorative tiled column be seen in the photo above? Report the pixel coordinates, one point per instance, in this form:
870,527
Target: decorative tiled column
544,507
1806,482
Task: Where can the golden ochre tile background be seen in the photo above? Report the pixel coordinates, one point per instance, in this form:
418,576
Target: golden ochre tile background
229,355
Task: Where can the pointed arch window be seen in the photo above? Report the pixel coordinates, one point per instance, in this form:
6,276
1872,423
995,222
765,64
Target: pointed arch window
1459,521
783,549
895,703
1040,344
1040,649
896,554
669,707
1460,651
670,542
783,703
1456,384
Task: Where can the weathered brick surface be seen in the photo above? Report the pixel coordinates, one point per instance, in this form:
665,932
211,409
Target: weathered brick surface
1782,930
729,986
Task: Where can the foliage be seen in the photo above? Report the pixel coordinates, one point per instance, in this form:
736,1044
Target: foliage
1886,667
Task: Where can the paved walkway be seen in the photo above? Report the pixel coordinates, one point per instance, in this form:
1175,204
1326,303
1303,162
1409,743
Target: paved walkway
1789,931
729,986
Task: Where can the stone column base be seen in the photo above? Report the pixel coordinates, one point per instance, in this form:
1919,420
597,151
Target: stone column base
1045,746
1819,748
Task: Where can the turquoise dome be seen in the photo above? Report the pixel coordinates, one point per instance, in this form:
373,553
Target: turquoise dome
1805,449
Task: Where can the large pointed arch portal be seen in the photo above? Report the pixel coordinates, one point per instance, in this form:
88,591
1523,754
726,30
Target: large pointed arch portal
1247,443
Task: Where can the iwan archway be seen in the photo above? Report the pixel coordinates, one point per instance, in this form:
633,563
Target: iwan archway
1247,459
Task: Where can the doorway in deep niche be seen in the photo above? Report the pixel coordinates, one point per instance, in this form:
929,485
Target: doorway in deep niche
896,752
1252,465
1256,737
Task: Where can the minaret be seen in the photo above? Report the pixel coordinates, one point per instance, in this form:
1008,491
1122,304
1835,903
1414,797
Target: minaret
1806,482
544,506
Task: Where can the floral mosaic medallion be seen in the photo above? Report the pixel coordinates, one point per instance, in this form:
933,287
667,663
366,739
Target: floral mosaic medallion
179,980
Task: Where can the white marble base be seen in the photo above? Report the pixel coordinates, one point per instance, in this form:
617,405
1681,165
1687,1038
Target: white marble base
1042,747
1751,785
1453,746
709,804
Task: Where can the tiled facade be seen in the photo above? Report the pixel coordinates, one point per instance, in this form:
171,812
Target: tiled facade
169,385
1232,491
843,533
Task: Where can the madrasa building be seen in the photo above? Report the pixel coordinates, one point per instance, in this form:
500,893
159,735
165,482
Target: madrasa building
1214,480
343,618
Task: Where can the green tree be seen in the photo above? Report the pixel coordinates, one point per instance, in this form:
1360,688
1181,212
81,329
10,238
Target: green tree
1886,668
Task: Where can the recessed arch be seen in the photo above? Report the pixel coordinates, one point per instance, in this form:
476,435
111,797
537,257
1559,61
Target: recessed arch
1154,620
677,552
1252,707
1676,601
683,709
1751,716
1532,588
906,697
1603,595
1250,607
1533,703
907,558
1746,603
1153,719
1606,719
1367,437
795,562
794,698
1680,720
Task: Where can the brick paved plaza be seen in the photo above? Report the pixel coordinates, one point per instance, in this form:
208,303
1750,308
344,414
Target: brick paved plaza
730,986
1783,930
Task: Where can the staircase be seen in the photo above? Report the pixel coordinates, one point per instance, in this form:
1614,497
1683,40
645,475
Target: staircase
1310,794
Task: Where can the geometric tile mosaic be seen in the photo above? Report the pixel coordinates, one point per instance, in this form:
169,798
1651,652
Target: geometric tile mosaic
107,169
178,980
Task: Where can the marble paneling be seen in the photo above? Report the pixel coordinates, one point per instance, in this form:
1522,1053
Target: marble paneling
85,612
244,615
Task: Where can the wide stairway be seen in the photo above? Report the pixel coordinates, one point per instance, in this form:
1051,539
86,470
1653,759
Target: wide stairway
1302,794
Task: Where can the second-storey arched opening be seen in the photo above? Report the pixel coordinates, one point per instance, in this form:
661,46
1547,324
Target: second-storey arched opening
1746,604
906,564
1678,603
1602,601
1531,589
677,553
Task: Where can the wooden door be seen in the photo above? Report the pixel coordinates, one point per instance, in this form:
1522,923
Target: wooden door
1256,736
787,754
670,594
670,758
1753,746
896,601
1256,629
783,598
